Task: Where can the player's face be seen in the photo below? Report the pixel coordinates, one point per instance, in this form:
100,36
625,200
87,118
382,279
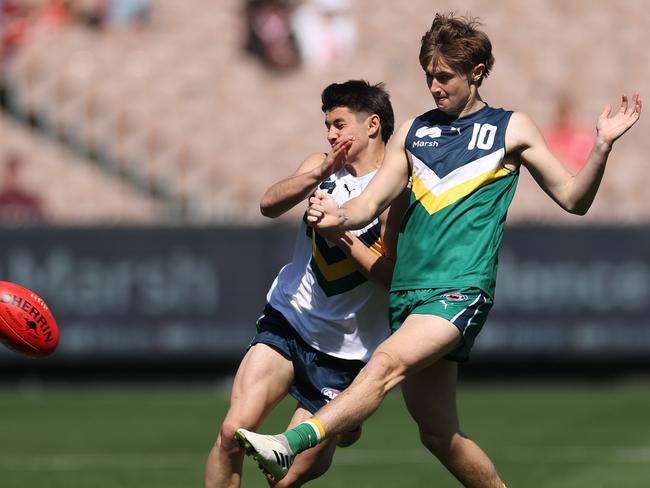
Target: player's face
342,122
450,90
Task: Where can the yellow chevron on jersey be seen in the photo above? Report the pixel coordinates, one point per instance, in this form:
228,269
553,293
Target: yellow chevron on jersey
324,297
341,268
435,194
334,271
461,191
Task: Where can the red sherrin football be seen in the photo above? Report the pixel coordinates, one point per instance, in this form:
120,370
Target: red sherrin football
26,323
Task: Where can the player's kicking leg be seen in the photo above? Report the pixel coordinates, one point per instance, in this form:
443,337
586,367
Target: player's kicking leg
422,340
430,395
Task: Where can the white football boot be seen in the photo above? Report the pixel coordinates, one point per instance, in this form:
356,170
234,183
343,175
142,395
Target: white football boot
272,452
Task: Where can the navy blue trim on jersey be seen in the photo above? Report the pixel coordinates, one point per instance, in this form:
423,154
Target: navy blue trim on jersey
452,137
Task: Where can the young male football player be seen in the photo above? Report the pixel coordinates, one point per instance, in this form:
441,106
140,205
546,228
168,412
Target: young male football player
464,159
327,308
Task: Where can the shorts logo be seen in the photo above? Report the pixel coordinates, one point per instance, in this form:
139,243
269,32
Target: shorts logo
455,297
330,393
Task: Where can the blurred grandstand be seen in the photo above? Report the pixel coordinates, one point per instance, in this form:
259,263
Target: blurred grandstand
169,120
148,130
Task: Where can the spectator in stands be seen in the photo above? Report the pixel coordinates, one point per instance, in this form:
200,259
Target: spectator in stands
18,204
570,141
104,14
53,15
92,14
269,34
15,27
325,31
20,21
128,12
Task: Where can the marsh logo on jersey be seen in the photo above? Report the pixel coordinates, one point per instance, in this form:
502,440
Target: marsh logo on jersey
330,393
455,297
432,132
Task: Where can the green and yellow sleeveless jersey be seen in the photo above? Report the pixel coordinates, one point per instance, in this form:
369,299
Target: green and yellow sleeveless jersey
461,191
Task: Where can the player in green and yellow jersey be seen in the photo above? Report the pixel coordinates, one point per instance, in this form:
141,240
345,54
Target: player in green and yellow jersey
462,160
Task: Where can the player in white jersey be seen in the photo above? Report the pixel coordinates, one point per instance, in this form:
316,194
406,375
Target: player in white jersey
327,308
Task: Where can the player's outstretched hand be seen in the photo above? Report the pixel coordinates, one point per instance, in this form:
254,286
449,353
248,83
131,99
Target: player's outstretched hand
611,128
322,211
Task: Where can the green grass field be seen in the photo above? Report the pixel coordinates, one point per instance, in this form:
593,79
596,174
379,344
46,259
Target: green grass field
540,436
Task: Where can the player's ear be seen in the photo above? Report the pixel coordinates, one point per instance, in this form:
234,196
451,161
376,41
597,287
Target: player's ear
477,72
374,125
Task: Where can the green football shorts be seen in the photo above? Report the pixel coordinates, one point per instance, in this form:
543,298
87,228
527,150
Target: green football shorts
466,308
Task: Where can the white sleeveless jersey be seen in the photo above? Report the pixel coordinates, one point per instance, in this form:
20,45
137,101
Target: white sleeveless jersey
321,293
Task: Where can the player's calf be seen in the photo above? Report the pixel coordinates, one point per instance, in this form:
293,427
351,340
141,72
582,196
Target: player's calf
348,438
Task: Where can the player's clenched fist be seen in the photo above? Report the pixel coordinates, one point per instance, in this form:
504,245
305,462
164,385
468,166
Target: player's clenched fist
322,212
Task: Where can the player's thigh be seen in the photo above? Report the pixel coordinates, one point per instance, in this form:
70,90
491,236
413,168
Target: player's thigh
430,396
419,342
261,382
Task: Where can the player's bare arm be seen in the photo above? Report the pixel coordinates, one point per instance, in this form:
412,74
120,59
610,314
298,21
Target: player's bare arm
375,266
287,193
385,186
392,221
574,193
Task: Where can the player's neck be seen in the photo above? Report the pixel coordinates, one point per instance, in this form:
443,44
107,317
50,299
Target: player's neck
467,105
367,161
474,104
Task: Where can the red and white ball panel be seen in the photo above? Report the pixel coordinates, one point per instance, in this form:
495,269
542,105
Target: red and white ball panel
26,323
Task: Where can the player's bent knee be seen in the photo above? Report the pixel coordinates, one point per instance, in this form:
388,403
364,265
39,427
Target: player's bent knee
226,438
440,443
385,368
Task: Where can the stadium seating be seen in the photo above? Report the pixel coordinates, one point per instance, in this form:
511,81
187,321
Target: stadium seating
73,190
176,107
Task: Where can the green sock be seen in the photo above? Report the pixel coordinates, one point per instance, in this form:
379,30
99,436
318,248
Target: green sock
301,437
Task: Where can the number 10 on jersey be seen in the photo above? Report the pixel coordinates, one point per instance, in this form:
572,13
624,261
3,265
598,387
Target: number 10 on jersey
482,136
